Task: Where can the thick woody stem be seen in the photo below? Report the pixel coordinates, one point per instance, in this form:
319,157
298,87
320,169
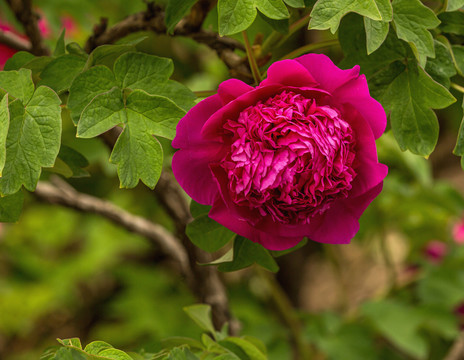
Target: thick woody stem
29,19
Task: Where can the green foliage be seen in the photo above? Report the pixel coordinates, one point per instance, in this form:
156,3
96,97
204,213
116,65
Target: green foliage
236,16
412,20
459,148
175,11
34,131
327,14
206,233
11,207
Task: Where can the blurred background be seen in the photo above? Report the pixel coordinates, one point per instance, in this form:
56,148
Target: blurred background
396,292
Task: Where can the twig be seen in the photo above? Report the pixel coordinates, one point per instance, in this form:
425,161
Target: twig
28,18
14,41
62,193
152,19
251,59
457,350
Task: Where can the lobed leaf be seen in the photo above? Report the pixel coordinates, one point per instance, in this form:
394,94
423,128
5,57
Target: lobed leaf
326,14
175,11
60,73
412,20
18,84
33,140
201,314
441,68
238,15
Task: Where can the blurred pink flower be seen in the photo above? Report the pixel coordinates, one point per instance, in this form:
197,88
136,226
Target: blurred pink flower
5,51
435,250
293,157
458,233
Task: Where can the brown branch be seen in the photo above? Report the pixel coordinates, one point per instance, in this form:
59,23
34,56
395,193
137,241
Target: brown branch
28,18
14,41
153,20
457,350
62,193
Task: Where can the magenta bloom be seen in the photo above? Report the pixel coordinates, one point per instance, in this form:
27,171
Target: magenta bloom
293,157
435,251
5,51
458,233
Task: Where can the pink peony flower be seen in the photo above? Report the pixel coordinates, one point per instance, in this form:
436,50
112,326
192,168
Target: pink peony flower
5,51
458,233
435,250
293,157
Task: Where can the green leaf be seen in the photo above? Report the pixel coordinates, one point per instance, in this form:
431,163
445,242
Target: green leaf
281,26
458,52
399,323
295,3
459,148
246,253
454,5
175,11
201,314
441,68
137,153
238,15
11,206
138,156
326,14
181,354
250,349
107,55
452,23
376,33
18,84
206,233
142,71
114,354
60,73
60,46
408,95
36,65
18,60
75,49
74,161
103,113
412,20
70,354
75,342
87,86
4,125
176,92
33,140
174,341
95,347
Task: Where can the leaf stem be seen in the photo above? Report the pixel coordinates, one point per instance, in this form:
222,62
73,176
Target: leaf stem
310,47
457,87
286,312
251,59
204,93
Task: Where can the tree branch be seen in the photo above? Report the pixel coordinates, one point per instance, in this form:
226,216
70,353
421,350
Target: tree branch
153,20
28,18
14,41
457,350
63,194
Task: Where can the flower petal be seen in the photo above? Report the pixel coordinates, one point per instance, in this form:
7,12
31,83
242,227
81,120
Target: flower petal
231,89
325,72
188,132
289,72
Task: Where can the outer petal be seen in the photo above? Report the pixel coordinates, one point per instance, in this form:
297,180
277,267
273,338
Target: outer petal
289,72
188,132
356,93
190,165
368,169
231,89
222,214
340,223
191,170
325,72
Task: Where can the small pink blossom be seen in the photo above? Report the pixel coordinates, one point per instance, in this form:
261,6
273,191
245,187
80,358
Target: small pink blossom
458,233
293,157
435,251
